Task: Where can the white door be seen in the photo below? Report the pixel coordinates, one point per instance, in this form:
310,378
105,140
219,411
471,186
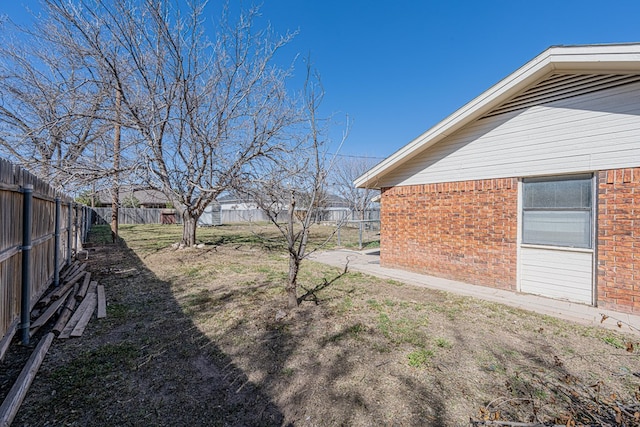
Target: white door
555,256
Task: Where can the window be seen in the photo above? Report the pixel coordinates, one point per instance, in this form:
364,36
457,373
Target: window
557,211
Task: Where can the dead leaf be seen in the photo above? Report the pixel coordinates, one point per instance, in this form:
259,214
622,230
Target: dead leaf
557,361
570,422
619,324
483,414
630,347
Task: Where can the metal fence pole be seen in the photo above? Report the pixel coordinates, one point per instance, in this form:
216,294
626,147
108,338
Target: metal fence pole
25,306
87,223
360,225
75,230
69,230
83,223
56,251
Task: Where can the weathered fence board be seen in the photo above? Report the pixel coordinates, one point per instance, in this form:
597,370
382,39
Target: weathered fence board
42,250
130,215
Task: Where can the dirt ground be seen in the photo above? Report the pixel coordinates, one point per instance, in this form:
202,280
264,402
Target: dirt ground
203,337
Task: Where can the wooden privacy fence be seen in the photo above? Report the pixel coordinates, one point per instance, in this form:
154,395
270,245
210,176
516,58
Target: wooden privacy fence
133,215
39,231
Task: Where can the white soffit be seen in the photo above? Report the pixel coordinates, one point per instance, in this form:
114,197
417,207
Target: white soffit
557,73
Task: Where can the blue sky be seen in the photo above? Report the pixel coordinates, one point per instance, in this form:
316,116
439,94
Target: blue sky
398,67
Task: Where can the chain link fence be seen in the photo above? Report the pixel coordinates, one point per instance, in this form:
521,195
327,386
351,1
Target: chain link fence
360,234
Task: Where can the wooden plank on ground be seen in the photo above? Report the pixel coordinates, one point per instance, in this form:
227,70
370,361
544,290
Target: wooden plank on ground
46,299
89,300
93,287
77,270
69,270
102,303
85,286
76,277
56,293
44,317
62,290
6,340
16,395
84,320
67,311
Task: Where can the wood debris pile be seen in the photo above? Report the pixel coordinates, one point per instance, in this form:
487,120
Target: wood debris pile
585,406
76,299
74,302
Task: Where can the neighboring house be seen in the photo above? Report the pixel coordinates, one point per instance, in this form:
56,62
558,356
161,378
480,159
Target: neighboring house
534,186
142,197
137,206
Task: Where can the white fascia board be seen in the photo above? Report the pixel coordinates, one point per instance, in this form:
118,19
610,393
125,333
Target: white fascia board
605,58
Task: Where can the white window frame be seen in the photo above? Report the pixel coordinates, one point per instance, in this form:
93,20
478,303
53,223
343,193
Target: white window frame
590,243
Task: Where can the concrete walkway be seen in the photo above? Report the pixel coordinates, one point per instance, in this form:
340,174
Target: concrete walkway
369,262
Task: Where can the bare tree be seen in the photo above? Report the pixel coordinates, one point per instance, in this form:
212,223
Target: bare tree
204,108
50,108
295,185
344,173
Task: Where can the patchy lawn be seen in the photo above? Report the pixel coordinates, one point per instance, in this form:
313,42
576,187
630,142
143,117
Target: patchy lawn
191,338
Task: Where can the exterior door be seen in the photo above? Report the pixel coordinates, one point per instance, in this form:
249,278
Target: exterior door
556,234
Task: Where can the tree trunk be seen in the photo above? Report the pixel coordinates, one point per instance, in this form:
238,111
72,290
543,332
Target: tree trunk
114,212
189,223
292,284
115,190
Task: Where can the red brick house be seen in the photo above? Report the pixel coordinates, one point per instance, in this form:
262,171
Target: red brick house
533,186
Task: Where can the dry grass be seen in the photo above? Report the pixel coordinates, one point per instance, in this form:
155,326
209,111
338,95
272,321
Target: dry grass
192,338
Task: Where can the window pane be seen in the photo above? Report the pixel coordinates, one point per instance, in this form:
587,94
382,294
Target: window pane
557,228
573,194
539,194
569,193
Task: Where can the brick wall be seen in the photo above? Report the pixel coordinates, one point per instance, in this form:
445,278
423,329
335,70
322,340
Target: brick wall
618,275
465,231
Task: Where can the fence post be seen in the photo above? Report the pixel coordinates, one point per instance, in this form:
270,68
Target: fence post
360,225
87,223
69,231
56,251
25,306
75,229
83,222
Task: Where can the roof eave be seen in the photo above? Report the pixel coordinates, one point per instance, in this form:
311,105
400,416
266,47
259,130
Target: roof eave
573,58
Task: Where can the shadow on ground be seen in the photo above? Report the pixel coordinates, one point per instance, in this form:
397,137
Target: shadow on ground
145,364
340,358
